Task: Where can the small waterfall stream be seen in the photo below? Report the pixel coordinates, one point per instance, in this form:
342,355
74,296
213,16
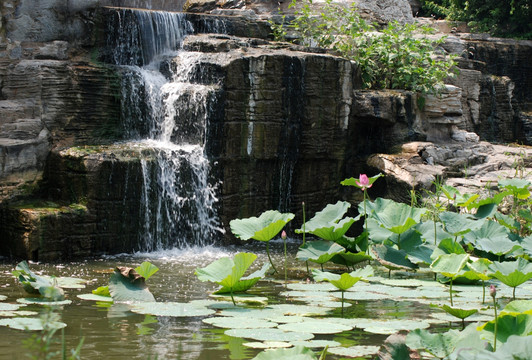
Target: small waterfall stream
166,114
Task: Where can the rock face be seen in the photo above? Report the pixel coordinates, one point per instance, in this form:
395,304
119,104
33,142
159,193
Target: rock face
287,123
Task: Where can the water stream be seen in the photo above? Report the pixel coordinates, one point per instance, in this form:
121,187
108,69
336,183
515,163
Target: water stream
162,109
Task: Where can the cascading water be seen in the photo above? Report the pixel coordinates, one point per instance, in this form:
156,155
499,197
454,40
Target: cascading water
166,116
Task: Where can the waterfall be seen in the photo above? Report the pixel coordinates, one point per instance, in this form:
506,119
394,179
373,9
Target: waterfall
164,112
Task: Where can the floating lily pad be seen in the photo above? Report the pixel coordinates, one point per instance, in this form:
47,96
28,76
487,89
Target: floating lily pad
295,353
311,287
317,327
268,345
364,295
173,309
247,299
126,285
269,334
239,323
94,297
354,351
33,324
9,306
316,344
5,313
67,282
3,297
282,319
405,282
43,301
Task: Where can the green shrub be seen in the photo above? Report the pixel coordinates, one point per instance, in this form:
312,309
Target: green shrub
398,56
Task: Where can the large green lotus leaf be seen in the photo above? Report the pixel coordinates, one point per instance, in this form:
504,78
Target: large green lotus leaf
481,267
243,284
449,265
426,229
126,285
512,273
295,353
515,348
239,323
508,324
268,345
32,324
173,309
263,228
399,217
374,207
440,344
269,334
417,251
447,246
350,259
518,306
345,280
356,351
458,312
35,284
518,186
146,269
459,224
493,238
325,326
319,251
392,258
377,233
332,213
94,297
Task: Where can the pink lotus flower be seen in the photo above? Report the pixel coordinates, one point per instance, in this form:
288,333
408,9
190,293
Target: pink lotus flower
283,235
363,182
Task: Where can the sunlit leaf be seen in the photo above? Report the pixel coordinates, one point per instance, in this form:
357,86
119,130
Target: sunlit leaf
263,228
319,251
31,324
146,269
126,285
449,264
508,325
512,273
459,224
328,223
392,258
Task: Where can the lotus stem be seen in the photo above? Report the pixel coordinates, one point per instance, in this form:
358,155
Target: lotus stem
451,291
269,257
232,298
513,294
435,231
493,293
342,303
483,291
304,232
285,264
463,324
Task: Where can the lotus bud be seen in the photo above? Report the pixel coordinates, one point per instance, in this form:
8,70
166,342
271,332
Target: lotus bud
283,235
363,182
493,291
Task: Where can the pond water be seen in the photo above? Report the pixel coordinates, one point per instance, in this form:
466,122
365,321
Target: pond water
114,332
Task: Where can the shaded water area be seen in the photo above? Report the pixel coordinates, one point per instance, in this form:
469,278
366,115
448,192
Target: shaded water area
113,332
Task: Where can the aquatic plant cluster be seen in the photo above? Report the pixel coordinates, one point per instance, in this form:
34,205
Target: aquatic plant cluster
459,238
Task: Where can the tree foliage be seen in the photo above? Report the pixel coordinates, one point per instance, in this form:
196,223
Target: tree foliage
509,18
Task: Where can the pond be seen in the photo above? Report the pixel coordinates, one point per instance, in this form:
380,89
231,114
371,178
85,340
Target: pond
112,331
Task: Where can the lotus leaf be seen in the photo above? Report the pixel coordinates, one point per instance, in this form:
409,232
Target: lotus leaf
94,297
316,326
102,291
269,334
440,344
493,238
349,259
316,344
356,182
16,313
67,282
447,246
295,353
449,265
146,269
319,251
239,323
126,285
518,306
515,348
345,280
426,229
417,251
354,351
268,345
228,273
32,324
263,228
10,307
459,224
458,312
328,223
377,233
512,273
518,186
173,309
508,325
392,258
462,200
43,301
35,284
398,217
242,298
